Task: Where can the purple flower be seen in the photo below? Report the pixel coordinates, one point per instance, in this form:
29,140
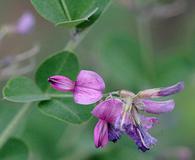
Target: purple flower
25,23
121,114
161,92
141,137
87,89
155,107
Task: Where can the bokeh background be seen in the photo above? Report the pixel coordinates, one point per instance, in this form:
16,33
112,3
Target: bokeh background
134,45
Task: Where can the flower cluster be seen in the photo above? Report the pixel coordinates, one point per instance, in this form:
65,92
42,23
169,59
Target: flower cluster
119,112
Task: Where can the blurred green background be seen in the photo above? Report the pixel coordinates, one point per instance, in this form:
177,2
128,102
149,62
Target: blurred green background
134,45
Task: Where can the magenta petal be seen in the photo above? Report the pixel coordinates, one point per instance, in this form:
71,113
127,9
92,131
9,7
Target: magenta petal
156,107
101,134
89,88
108,110
149,122
61,83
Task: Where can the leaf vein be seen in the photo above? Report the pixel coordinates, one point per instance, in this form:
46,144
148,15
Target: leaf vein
65,9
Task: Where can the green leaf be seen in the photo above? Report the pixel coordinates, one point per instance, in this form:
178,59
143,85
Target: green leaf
14,149
65,110
22,89
70,12
64,63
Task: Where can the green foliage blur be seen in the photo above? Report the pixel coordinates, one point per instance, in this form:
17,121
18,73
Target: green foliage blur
132,48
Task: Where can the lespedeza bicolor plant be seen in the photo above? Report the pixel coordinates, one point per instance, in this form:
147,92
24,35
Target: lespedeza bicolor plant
119,112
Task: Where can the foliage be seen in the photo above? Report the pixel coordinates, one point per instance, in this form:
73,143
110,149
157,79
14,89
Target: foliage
123,61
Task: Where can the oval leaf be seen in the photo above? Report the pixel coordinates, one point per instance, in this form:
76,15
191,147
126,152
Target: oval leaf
22,89
14,149
70,12
65,110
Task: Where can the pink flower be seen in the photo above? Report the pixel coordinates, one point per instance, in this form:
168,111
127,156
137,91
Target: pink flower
25,23
87,89
107,111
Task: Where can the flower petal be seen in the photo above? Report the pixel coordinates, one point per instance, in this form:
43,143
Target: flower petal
89,87
86,96
148,122
171,90
61,83
101,134
108,110
159,92
155,107
113,133
147,140
91,80
143,139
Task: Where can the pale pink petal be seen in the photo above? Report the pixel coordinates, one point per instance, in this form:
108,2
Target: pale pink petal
86,96
91,80
101,134
61,83
89,87
108,110
155,107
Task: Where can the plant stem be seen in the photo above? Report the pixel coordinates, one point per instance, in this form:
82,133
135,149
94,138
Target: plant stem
145,39
60,95
3,33
4,30
76,40
70,95
13,124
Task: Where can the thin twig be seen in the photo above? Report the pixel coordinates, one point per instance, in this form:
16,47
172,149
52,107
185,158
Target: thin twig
14,123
